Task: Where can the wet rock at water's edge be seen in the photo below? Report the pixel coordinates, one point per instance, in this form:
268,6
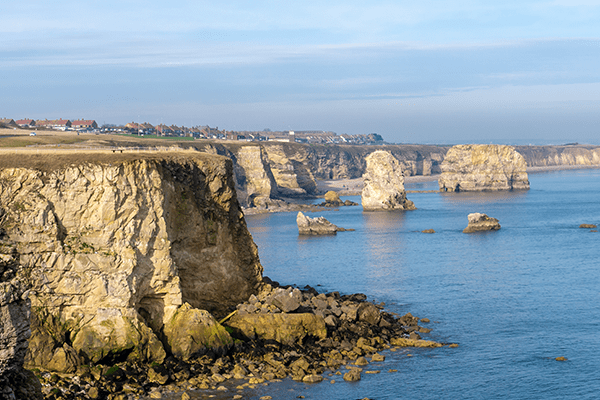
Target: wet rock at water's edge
316,226
479,222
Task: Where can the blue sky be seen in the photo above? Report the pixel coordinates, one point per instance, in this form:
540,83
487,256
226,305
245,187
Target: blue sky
414,72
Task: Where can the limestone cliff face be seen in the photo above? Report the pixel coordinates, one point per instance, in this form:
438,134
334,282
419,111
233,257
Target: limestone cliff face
291,170
571,155
483,167
15,382
348,162
115,244
254,177
384,184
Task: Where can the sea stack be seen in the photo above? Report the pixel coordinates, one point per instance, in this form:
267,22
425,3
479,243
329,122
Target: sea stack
479,222
477,167
384,184
316,226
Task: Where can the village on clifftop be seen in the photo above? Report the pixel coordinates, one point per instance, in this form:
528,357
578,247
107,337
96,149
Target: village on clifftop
196,132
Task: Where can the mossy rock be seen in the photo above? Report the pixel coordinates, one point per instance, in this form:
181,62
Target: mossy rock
285,328
118,338
192,332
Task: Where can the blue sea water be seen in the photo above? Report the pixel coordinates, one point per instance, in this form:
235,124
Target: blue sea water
513,299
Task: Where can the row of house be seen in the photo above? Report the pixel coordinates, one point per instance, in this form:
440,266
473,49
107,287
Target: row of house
198,132
59,124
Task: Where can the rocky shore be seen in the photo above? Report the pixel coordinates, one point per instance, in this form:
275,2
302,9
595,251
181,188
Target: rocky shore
341,335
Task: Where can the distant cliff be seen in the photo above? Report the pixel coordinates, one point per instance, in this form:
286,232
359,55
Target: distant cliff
568,155
295,166
116,248
479,167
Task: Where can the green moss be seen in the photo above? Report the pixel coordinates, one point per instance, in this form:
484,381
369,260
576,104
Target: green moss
211,232
111,370
18,206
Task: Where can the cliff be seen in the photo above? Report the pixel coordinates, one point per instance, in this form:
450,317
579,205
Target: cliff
483,167
349,161
567,155
117,247
296,166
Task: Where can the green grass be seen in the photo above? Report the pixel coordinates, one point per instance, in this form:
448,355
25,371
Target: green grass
176,138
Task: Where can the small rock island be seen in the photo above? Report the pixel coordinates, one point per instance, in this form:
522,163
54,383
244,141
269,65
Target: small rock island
479,222
316,226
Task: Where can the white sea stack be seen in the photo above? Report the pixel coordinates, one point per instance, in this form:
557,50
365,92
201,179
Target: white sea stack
384,184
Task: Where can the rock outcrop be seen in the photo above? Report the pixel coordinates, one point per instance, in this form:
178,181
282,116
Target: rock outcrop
117,247
479,222
384,184
475,167
316,226
255,181
291,172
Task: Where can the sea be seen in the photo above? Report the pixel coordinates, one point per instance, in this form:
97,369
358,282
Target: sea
513,300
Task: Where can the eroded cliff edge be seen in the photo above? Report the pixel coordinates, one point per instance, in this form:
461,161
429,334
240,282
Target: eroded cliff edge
116,246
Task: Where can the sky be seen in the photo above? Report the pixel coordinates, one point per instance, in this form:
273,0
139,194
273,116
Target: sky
445,72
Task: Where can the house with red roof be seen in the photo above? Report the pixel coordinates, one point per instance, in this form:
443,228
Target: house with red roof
84,124
25,123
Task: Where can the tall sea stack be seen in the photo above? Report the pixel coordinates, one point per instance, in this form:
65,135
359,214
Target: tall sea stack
384,184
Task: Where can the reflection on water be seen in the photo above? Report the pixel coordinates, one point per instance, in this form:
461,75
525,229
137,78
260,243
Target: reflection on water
484,197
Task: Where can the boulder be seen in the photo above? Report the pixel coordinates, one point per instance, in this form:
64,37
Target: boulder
192,332
287,329
316,226
474,167
588,226
479,222
333,199
352,375
287,300
384,184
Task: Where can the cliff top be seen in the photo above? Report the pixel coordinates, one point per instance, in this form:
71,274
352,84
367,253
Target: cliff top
52,159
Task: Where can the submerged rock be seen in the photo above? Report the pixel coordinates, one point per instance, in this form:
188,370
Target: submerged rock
384,184
475,167
316,226
479,222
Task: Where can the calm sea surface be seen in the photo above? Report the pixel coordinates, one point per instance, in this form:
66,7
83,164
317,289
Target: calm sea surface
514,299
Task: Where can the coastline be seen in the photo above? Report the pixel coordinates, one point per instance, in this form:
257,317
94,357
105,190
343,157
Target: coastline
353,187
